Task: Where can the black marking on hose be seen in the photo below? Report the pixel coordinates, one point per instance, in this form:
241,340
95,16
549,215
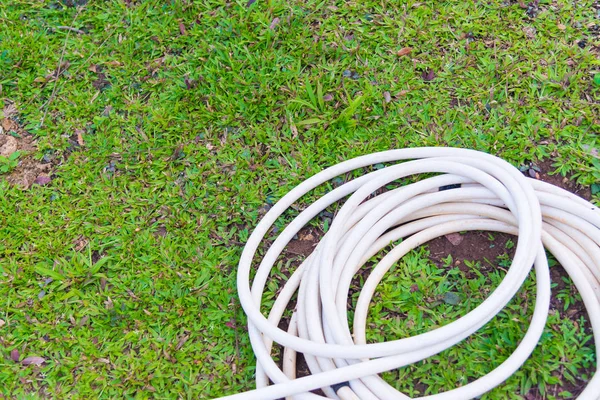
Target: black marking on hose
340,385
448,187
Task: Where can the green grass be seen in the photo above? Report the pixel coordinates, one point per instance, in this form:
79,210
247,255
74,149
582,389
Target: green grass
190,131
413,299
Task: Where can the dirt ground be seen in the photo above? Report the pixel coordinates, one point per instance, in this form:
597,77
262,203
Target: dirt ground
29,170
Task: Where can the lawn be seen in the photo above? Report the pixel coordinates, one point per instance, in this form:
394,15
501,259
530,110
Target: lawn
154,134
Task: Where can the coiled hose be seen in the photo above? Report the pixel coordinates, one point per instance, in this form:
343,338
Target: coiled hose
486,193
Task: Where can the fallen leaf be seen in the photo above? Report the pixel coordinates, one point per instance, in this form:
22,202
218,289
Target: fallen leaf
9,125
114,63
328,97
308,237
131,294
428,75
182,28
14,355
533,9
387,97
101,82
10,110
33,361
250,2
404,51
61,68
79,133
274,23
109,304
455,238
8,145
529,32
2,323
177,153
189,83
561,27
294,130
182,342
104,360
42,180
80,243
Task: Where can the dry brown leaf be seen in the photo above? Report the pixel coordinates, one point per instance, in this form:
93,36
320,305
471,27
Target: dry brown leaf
561,27
80,243
8,144
33,361
274,23
182,28
294,130
109,304
131,294
14,355
42,180
10,110
428,75
182,342
79,133
387,97
529,32
404,51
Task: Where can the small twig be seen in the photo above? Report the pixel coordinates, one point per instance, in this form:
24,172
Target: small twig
70,28
58,72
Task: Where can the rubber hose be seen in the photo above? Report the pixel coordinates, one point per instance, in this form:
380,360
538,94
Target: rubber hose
469,190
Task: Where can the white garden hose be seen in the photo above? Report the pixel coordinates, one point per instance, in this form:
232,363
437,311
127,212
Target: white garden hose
487,193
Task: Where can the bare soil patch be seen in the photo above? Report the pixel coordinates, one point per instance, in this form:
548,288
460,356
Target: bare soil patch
29,170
